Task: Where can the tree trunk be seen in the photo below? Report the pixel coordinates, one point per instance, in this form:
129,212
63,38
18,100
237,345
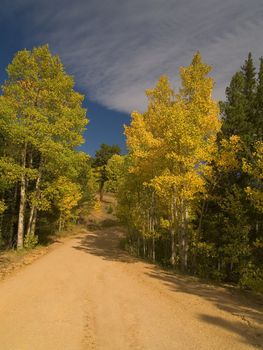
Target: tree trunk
101,191
152,225
22,205
181,237
138,245
173,253
30,220
186,219
153,248
172,230
184,237
198,234
33,227
12,232
183,244
2,219
60,223
33,212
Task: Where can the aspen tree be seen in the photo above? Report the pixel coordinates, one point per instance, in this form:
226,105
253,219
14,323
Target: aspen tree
47,115
170,146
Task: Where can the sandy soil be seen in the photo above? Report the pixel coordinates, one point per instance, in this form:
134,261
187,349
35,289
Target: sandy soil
88,294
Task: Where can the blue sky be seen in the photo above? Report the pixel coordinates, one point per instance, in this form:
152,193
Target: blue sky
118,48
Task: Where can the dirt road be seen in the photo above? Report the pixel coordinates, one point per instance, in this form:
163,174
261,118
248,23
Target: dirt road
88,294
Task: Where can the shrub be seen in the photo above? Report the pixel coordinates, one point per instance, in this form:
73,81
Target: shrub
30,241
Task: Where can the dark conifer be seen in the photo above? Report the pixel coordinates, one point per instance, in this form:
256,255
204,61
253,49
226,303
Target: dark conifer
259,104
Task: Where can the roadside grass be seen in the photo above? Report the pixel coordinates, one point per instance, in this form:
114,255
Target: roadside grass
13,260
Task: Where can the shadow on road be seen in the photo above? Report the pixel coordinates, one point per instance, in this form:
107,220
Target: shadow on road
105,242
247,308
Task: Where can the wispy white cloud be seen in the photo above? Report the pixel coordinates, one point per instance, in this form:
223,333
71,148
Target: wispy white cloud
118,48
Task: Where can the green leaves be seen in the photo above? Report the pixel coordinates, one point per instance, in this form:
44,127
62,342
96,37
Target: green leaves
42,124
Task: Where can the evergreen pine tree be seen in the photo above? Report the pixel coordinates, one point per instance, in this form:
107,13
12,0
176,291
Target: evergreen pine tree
259,104
239,110
249,72
238,115
234,108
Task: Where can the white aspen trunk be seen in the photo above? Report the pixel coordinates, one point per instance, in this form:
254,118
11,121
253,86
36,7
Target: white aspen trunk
152,227
173,254
30,220
150,230
182,255
184,237
186,219
172,230
33,211
21,215
22,205
33,226
13,220
181,236
153,246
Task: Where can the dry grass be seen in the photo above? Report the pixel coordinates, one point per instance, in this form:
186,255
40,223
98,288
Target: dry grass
12,260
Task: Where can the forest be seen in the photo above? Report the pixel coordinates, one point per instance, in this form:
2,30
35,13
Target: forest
189,189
